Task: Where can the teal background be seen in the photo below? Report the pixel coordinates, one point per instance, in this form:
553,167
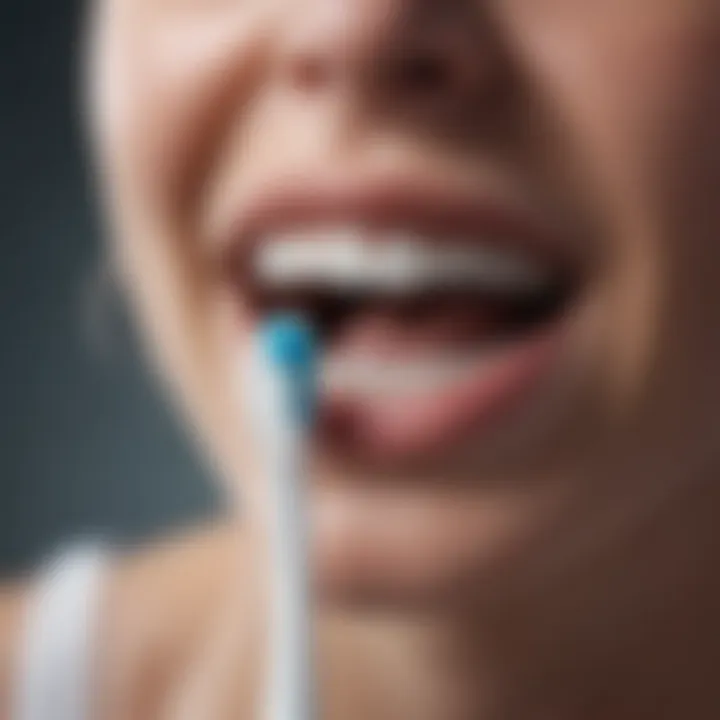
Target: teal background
86,445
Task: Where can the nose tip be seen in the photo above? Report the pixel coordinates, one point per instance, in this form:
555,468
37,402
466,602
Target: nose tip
431,51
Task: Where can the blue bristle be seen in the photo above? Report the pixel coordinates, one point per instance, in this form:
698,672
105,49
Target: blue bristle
289,341
290,346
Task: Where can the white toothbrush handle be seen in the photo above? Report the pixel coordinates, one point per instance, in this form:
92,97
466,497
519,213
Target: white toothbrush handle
291,684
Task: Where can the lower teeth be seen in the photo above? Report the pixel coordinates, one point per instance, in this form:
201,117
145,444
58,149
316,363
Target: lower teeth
397,377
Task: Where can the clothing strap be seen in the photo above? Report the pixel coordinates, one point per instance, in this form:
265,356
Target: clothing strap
58,652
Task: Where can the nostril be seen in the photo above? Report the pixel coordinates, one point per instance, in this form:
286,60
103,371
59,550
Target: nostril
310,72
425,74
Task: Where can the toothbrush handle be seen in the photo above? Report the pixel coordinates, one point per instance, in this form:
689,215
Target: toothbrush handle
292,683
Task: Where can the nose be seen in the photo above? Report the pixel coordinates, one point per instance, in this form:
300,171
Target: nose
436,54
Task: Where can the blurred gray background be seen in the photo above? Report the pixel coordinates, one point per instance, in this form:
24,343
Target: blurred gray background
86,444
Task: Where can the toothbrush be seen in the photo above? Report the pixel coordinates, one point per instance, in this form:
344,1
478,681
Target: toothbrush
283,395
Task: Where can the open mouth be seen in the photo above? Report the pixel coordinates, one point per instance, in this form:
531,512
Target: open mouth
435,315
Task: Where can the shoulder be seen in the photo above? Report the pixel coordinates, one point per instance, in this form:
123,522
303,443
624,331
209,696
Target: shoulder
165,608
12,608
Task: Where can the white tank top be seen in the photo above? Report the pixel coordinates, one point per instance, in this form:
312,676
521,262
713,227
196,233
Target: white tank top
54,678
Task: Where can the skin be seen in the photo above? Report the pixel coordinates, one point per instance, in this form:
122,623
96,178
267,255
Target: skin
571,578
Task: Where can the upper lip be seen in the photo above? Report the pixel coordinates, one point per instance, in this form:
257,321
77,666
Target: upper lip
392,202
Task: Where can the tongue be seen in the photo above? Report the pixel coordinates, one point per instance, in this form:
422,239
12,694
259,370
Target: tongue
390,331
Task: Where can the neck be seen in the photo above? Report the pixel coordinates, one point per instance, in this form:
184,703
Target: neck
389,668
392,671
627,629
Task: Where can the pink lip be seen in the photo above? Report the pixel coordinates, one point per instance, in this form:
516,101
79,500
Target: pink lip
427,426
472,214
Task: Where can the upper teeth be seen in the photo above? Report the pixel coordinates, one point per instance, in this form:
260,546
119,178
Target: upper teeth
346,258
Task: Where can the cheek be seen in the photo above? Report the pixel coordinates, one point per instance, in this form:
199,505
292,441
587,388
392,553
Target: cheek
166,81
633,89
625,78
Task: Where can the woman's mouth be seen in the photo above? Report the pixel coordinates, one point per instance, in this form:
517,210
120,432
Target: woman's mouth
434,323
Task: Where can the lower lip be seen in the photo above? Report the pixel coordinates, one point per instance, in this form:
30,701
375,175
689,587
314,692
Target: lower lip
413,428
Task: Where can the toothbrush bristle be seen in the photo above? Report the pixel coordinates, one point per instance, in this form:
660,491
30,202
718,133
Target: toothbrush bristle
289,341
290,347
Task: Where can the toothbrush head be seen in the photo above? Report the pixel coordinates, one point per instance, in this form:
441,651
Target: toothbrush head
289,342
289,349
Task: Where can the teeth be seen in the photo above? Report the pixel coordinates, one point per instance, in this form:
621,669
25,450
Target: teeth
345,258
368,376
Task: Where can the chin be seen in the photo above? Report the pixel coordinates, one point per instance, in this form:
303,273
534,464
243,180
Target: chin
424,548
